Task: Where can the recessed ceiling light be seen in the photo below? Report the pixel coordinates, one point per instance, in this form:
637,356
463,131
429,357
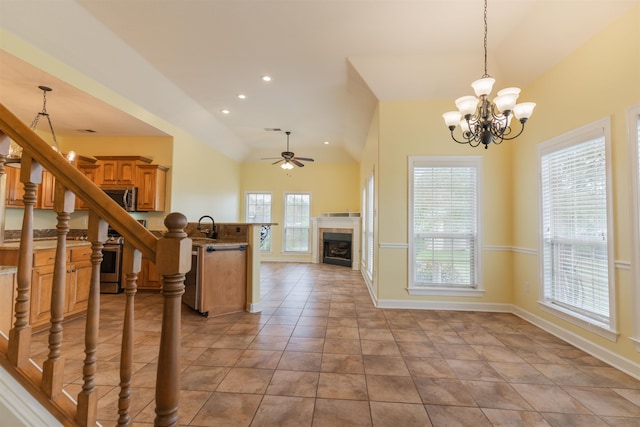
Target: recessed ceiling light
242,96
225,111
326,143
266,78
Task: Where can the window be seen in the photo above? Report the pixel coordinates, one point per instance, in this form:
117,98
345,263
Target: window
576,242
444,242
297,212
258,209
634,151
367,227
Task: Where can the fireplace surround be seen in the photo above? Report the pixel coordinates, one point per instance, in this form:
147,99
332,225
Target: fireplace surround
340,223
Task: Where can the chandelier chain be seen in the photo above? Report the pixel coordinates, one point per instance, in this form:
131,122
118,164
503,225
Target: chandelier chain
36,119
485,39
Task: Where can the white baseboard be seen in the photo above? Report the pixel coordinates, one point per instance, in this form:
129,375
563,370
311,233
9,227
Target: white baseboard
444,305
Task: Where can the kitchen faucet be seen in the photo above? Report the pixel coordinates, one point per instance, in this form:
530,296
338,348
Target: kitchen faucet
213,231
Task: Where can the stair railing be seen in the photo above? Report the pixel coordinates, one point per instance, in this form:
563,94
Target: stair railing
171,253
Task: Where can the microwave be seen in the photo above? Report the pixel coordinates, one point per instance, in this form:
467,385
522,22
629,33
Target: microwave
124,195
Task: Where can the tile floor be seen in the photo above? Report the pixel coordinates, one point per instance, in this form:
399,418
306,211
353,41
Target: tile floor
320,354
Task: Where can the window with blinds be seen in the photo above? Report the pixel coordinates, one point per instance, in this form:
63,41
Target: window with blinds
444,240
576,247
297,213
258,210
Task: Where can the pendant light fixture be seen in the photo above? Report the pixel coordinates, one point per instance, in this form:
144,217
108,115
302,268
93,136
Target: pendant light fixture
483,121
14,157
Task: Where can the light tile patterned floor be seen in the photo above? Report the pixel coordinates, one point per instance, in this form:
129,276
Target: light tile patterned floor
320,354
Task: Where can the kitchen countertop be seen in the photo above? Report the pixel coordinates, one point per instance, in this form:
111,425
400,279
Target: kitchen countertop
216,242
45,244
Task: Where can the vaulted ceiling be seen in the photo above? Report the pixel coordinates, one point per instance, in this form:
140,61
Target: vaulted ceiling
330,62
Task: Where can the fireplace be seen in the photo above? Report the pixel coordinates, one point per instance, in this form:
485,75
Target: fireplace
340,223
336,249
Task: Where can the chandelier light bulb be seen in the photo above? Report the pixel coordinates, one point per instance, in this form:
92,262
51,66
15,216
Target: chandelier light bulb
483,86
467,105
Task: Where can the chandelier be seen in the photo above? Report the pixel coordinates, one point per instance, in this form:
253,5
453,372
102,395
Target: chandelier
14,156
483,121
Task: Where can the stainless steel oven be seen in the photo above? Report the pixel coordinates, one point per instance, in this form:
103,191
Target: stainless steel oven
111,267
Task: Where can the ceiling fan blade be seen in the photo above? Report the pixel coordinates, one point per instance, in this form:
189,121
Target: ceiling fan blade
304,159
270,158
276,162
297,163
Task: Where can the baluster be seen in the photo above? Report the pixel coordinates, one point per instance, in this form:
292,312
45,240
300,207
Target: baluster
131,264
88,397
173,259
53,368
20,334
5,145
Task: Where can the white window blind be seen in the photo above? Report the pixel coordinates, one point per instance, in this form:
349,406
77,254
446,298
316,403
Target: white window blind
258,209
297,212
445,224
574,228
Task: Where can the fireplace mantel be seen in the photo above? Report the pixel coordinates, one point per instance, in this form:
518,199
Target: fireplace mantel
347,222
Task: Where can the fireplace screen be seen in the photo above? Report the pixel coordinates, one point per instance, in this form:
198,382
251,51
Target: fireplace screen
336,249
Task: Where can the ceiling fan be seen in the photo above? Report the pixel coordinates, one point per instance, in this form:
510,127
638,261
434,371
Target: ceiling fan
289,158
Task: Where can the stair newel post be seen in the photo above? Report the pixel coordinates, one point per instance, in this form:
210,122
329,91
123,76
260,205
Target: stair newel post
173,260
88,397
131,266
53,368
20,334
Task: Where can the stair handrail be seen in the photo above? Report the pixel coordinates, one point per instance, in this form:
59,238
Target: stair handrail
74,180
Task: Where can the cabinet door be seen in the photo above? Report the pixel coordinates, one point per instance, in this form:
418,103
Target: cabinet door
151,181
78,287
109,172
41,287
127,172
150,278
93,173
7,301
46,190
15,188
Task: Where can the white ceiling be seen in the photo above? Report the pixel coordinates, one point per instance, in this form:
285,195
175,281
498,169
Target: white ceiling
331,60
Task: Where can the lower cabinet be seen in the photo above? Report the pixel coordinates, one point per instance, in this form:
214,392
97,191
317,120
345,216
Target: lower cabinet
77,287
7,298
149,278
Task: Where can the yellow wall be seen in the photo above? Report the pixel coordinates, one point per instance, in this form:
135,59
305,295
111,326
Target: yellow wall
600,79
416,128
334,187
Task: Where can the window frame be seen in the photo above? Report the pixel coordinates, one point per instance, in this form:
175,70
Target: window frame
368,208
633,122
247,194
584,134
477,289
285,227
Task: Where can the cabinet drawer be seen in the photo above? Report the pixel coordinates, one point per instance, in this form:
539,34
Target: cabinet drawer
44,257
81,254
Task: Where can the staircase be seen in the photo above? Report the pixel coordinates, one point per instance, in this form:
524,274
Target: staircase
171,253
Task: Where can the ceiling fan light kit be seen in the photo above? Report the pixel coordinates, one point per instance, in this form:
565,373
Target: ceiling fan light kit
288,158
483,121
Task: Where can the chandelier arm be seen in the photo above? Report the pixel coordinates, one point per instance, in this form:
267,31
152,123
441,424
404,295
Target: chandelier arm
515,136
469,141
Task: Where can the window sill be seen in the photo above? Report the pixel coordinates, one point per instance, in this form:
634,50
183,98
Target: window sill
446,292
586,323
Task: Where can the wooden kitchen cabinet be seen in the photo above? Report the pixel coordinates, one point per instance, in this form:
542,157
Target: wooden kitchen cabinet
91,171
149,278
151,181
120,170
46,190
8,294
77,285
14,188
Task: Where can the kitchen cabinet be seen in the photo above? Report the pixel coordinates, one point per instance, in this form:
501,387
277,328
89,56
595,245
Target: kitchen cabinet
46,190
91,171
151,181
8,294
15,188
222,279
120,170
77,285
149,278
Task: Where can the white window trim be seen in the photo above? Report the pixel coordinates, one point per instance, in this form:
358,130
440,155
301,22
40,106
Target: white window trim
633,119
284,227
443,161
246,196
593,130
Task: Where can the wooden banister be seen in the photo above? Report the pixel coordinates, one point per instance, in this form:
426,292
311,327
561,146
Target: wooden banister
171,253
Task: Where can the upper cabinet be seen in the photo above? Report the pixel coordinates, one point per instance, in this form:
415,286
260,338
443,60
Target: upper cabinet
15,188
151,181
120,170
